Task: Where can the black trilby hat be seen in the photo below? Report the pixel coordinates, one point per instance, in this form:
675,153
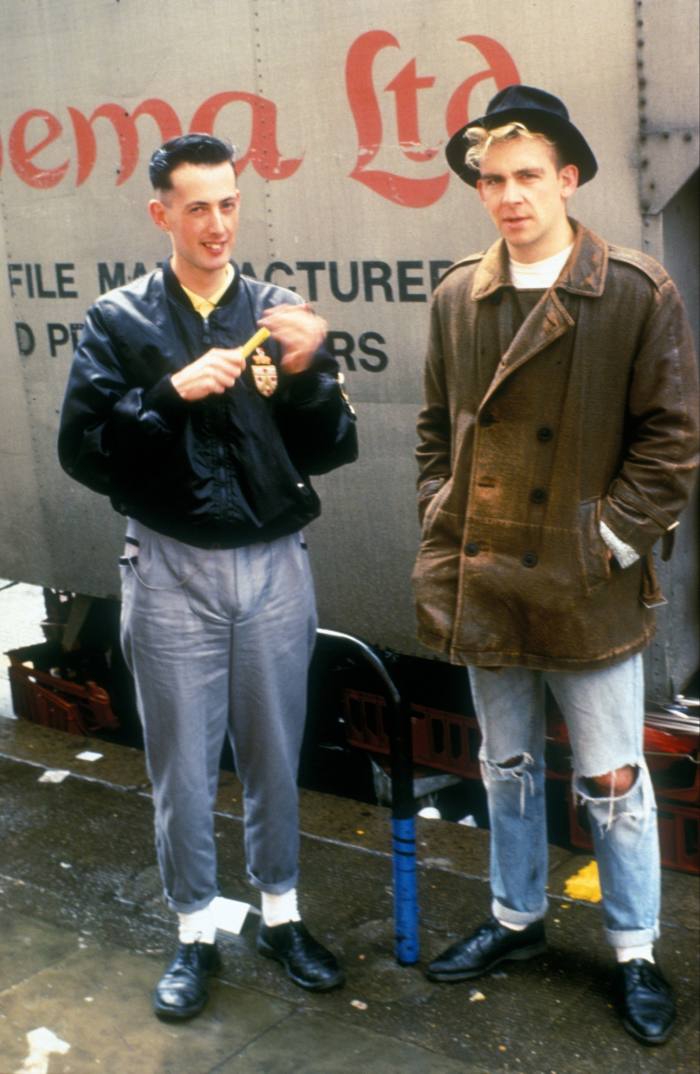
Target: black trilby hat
541,112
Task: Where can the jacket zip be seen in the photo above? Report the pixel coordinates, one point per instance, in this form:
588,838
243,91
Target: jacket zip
218,404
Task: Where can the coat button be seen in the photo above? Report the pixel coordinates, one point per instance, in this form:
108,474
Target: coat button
472,548
529,559
487,418
538,495
544,433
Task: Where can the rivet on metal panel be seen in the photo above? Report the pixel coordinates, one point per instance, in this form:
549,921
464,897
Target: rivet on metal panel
688,136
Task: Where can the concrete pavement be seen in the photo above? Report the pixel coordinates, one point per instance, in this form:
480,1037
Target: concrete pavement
86,935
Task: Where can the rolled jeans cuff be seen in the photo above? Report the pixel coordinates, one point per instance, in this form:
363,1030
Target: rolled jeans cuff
517,917
632,937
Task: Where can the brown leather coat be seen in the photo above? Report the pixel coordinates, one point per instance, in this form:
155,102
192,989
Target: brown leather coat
533,432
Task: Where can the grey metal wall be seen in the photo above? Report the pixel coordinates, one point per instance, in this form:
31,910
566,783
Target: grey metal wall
669,104
341,112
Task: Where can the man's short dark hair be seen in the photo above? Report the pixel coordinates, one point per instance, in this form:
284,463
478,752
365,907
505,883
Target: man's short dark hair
187,149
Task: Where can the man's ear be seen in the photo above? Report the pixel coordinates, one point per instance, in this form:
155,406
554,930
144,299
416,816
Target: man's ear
156,211
568,179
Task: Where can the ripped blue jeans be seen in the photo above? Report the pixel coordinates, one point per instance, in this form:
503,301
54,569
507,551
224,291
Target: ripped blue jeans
604,714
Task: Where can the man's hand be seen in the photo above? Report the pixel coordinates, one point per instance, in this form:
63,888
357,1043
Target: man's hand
298,330
211,374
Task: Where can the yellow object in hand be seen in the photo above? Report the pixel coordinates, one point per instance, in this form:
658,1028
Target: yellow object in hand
260,336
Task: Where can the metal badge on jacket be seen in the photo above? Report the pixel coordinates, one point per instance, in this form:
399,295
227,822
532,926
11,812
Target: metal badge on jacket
264,372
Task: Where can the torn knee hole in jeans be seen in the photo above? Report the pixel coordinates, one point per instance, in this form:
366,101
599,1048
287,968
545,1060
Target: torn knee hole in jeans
513,768
616,784
516,769
616,806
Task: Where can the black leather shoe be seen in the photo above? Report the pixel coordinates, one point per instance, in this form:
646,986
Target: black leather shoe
307,962
488,946
644,1000
182,990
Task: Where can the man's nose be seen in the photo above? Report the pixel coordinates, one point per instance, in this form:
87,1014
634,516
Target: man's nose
511,191
217,220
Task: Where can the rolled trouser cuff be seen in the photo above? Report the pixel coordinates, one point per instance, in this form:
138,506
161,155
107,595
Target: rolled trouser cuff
507,916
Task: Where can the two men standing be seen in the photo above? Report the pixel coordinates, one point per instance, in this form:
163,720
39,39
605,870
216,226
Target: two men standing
557,444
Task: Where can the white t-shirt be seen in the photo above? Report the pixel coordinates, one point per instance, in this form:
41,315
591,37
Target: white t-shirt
538,275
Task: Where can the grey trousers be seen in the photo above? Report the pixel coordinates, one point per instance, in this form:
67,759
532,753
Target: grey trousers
219,642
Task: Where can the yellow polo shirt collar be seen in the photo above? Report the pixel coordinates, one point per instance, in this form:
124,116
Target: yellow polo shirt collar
204,306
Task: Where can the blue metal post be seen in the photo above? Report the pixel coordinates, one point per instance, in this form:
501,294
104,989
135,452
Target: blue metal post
403,824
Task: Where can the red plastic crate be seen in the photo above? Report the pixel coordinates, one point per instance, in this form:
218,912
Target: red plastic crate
447,741
679,834
51,701
365,721
674,763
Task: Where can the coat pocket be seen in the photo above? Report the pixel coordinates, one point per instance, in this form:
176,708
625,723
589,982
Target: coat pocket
593,551
433,507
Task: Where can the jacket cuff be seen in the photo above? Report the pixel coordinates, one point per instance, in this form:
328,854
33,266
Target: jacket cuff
312,386
636,526
165,399
301,387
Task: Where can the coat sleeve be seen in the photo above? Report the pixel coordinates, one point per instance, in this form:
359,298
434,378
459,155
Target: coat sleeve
661,456
315,418
433,452
106,424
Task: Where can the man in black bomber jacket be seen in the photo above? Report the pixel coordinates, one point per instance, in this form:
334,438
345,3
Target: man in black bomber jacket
207,452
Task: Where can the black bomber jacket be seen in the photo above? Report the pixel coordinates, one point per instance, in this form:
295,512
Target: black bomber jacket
220,472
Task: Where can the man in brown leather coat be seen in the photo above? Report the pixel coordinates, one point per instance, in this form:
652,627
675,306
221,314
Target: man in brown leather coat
557,444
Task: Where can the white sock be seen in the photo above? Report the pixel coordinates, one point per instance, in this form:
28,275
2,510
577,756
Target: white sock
199,925
626,954
511,925
279,909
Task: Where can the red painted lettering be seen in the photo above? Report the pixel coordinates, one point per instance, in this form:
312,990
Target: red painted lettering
359,80
36,129
501,69
22,155
405,86
125,127
262,152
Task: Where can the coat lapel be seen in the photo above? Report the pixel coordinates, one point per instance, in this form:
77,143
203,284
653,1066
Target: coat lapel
583,274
